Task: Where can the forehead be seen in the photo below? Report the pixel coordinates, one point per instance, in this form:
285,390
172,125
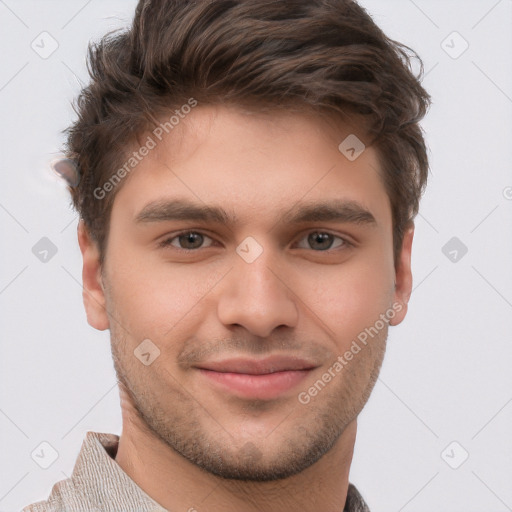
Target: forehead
254,165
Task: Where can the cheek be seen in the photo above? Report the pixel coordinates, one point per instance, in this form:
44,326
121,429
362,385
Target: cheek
349,299
154,299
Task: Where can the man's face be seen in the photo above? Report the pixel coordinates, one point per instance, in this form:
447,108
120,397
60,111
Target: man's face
248,315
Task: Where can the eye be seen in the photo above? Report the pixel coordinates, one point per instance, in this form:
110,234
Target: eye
187,240
191,240
322,241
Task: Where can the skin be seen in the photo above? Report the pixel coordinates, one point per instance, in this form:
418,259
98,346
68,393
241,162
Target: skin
187,443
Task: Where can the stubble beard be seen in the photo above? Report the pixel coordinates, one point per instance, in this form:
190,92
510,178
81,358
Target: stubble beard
306,433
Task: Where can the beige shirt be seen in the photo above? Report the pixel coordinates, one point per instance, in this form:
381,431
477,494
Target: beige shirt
98,484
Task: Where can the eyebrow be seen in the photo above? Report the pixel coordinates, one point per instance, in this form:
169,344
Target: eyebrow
337,210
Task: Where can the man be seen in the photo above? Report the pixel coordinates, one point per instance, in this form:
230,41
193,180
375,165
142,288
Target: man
249,172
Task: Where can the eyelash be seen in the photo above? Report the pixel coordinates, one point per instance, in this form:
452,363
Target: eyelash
167,242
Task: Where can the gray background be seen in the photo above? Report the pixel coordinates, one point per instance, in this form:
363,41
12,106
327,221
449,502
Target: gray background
446,377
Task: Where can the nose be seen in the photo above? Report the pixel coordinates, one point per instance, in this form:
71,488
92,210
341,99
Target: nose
257,297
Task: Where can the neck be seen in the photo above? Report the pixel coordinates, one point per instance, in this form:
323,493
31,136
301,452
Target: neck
177,484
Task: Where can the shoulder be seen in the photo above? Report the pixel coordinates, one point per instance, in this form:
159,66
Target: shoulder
64,497
355,502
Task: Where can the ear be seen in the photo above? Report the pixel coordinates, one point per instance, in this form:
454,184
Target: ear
403,277
93,291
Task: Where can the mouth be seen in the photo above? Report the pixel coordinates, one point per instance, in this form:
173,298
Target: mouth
264,379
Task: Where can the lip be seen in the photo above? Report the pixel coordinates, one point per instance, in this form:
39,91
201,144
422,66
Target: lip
264,379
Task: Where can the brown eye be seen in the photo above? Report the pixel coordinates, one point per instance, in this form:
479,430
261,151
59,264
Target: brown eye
187,240
322,241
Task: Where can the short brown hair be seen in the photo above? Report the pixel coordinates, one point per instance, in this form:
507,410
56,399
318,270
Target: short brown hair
323,55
